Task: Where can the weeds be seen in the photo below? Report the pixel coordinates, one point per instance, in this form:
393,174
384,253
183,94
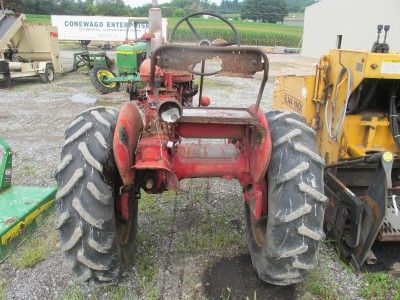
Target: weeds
33,253
116,292
150,206
380,286
207,237
316,287
169,196
72,292
2,289
146,269
35,248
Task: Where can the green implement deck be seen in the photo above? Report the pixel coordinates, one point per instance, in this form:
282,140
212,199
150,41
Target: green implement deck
22,209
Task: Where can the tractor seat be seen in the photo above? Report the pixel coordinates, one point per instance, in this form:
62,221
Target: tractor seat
218,115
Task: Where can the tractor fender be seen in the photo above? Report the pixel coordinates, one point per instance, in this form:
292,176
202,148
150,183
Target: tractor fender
260,147
127,132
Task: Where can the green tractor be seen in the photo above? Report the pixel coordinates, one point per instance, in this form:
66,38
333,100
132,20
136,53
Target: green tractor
128,60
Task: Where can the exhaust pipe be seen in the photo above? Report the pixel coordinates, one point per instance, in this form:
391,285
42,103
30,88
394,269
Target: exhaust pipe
155,26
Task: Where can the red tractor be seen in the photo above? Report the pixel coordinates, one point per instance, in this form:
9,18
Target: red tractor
109,155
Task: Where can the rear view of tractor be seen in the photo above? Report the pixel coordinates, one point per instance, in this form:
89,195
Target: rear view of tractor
163,136
352,103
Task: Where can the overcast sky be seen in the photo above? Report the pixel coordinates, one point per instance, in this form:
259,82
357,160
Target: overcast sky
135,3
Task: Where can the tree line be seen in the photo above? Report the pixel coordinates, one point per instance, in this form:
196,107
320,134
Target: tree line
271,11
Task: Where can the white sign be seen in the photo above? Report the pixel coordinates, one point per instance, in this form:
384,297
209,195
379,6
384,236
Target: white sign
390,68
101,28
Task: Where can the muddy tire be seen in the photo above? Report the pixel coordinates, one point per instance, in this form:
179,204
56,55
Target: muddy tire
88,184
48,75
284,244
97,73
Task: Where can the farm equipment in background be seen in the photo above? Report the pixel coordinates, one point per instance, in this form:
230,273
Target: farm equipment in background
27,50
352,103
128,59
89,59
22,208
109,155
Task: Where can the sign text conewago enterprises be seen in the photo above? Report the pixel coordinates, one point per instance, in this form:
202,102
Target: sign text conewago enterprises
101,28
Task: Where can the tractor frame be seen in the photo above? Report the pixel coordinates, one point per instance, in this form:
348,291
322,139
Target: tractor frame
157,152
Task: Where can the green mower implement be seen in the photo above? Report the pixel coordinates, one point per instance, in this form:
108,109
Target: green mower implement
89,59
22,208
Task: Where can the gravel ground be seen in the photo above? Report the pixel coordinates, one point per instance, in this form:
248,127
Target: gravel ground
190,245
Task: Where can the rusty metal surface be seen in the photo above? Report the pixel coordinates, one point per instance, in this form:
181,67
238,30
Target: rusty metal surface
390,230
236,61
218,115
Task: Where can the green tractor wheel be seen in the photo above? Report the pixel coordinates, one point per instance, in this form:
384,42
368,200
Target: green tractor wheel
98,75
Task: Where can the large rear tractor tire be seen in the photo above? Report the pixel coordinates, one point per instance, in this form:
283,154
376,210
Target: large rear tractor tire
98,74
95,240
284,244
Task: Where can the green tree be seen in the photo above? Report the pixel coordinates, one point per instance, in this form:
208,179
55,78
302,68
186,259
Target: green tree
112,8
14,5
298,5
251,9
271,11
179,13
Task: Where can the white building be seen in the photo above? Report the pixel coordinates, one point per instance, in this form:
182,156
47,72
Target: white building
354,20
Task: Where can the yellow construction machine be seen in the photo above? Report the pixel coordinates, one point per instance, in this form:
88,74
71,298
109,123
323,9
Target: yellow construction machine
352,102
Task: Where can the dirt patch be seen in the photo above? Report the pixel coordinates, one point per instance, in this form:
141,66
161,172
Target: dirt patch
387,255
235,278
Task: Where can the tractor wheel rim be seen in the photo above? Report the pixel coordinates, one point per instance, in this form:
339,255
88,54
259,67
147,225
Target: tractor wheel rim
258,231
105,74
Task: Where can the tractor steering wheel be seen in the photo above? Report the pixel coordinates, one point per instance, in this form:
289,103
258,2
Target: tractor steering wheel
199,38
204,42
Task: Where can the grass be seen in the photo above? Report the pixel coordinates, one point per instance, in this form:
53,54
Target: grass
72,292
35,249
208,236
315,286
149,205
115,292
2,289
380,286
33,253
38,19
251,33
146,274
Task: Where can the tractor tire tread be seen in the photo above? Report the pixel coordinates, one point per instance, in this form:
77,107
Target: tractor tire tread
296,203
85,210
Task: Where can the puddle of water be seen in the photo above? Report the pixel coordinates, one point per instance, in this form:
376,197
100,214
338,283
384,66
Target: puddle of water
83,98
